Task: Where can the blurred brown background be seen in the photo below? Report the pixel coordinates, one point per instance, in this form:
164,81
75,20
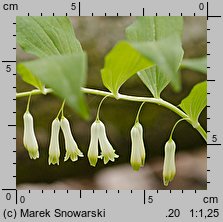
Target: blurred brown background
97,36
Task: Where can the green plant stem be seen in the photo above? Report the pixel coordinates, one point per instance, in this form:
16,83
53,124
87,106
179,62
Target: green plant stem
137,117
61,110
171,134
99,108
157,101
28,103
203,133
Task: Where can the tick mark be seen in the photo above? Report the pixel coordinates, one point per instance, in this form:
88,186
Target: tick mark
214,144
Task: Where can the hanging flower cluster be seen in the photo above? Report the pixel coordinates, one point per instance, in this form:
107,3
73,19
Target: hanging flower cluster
72,150
98,136
98,140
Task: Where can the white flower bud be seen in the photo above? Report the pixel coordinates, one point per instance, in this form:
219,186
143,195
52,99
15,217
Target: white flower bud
72,150
169,168
138,153
29,139
54,148
93,147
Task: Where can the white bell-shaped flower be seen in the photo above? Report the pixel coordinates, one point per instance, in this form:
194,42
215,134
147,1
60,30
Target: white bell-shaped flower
54,148
29,138
72,150
169,168
98,136
107,151
93,147
138,153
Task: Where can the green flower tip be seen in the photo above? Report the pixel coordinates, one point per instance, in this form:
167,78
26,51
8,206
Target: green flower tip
33,153
93,160
72,155
54,159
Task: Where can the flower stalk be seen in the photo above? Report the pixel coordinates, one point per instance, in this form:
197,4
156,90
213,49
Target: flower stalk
29,138
98,136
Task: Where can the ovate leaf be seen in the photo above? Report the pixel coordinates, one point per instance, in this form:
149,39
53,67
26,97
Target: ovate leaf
155,80
165,57
65,74
153,29
45,36
195,64
193,104
122,62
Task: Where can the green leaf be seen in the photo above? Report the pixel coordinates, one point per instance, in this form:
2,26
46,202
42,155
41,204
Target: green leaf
65,74
195,64
155,29
165,57
45,36
122,62
28,77
155,80
193,104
